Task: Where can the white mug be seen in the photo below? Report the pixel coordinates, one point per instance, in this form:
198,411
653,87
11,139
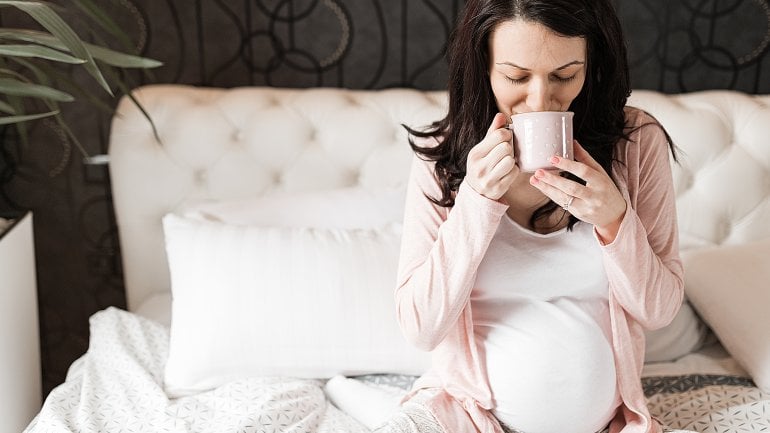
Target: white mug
539,135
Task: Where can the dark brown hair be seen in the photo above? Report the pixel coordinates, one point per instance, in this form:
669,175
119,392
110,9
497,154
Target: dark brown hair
599,120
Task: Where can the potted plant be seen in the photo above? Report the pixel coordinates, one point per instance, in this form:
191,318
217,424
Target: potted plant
34,80
33,83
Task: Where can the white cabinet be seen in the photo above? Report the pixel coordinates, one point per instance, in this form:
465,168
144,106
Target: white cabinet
20,381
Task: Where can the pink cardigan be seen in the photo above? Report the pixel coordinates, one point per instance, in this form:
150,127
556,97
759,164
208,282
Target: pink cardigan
442,248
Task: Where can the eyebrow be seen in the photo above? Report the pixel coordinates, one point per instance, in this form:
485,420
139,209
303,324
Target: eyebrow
574,62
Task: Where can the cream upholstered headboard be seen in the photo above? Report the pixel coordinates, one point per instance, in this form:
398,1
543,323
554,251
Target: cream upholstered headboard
242,142
723,179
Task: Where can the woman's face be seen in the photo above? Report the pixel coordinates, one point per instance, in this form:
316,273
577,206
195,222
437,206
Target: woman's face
534,69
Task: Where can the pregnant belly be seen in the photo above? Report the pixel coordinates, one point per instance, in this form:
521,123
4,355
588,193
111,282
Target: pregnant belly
551,368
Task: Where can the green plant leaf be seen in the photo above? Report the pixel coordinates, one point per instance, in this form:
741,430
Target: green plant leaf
108,56
122,60
7,108
45,73
52,22
43,77
10,86
21,127
5,120
50,84
34,36
130,94
12,73
39,52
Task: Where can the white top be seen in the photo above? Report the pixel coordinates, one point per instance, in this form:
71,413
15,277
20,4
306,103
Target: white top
540,310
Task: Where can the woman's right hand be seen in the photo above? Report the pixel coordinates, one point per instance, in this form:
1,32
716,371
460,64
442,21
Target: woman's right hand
491,167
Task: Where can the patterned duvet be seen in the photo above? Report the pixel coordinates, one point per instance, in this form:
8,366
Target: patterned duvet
117,387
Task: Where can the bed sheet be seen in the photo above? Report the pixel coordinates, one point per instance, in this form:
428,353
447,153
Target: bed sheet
706,391
117,386
714,396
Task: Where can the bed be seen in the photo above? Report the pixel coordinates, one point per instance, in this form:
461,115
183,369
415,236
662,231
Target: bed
250,202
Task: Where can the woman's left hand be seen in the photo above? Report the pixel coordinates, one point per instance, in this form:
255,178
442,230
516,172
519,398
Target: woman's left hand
598,202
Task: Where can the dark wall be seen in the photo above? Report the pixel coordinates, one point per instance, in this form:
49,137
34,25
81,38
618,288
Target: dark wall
688,45
675,46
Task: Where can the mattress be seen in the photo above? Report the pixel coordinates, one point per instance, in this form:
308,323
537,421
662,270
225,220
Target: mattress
118,386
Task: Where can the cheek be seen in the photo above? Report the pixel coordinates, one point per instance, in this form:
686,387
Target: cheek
568,93
505,94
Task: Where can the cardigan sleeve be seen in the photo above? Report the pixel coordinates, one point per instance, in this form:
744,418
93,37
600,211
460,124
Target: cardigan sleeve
441,249
642,263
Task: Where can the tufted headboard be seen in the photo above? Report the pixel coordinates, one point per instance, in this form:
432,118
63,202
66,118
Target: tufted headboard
244,142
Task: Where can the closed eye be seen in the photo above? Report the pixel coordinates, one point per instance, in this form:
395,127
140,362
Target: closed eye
565,79
516,80
556,78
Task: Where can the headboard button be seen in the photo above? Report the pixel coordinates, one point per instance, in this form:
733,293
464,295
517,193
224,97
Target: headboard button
725,230
277,178
200,177
354,177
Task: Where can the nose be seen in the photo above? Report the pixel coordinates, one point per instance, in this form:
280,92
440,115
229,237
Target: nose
538,96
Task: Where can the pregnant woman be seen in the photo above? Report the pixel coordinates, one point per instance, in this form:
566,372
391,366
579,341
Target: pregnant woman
533,290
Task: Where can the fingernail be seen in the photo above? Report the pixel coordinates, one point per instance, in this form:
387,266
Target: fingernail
533,180
539,173
554,160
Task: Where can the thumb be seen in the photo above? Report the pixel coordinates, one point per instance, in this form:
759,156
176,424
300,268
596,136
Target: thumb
497,122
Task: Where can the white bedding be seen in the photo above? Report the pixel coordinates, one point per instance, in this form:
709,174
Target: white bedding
117,387
708,392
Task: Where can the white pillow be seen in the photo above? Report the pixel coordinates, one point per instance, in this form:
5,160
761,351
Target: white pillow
685,334
360,207
730,287
353,207
269,301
